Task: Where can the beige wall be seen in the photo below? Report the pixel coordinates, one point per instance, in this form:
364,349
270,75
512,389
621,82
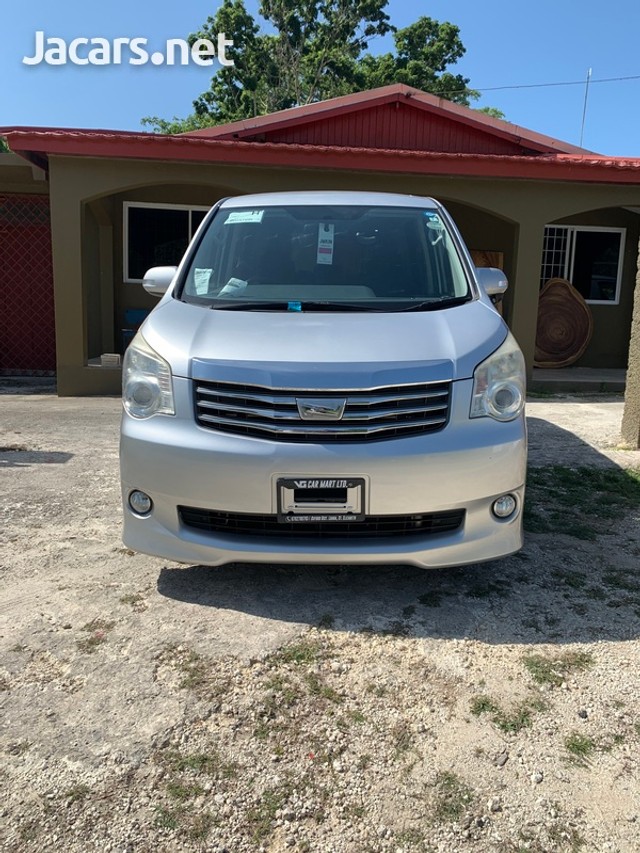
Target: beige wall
609,346
518,212
17,176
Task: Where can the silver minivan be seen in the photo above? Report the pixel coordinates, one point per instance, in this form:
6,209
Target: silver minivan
325,379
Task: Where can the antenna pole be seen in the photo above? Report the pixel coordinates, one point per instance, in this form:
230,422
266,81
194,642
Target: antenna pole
584,109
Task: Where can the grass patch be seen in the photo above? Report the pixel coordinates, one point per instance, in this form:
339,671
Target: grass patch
286,694
364,761
261,818
320,688
356,717
301,652
134,599
209,763
622,580
97,630
402,739
579,502
77,793
196,672
414,839
180,792
513,721
580,748
168,818
483,705
194,669
326,621
566,838
453,797
200,826
559,837
573,579
554,670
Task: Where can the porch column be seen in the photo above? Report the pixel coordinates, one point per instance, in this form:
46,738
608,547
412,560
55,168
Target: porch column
526,286
631,416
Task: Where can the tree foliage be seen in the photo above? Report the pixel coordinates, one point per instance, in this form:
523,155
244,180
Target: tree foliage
303,51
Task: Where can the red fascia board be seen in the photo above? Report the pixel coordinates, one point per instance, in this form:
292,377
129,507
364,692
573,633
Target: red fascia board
554,167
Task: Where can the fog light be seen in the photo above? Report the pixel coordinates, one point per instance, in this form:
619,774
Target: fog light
504,506
140,503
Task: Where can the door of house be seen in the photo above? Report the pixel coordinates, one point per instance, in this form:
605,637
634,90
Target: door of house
27,323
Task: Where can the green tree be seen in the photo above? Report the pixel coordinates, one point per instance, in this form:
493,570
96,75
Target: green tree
4,148
423,51
303,51
491,111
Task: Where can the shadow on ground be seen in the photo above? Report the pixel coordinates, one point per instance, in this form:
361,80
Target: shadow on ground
17,456
574,581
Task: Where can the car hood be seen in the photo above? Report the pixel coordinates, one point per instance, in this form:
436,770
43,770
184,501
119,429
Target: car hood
331,349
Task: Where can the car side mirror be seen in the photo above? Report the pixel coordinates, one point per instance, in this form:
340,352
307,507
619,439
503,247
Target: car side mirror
157,280
493,282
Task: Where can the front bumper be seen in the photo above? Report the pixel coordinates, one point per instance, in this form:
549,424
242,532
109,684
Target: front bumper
465,466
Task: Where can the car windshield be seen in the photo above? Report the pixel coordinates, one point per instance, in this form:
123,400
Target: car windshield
337,257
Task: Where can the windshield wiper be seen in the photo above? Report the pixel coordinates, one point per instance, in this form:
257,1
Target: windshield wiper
322,305
437,302
240,305
292,306
301,305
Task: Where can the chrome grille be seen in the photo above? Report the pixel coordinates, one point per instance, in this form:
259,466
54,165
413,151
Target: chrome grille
369,414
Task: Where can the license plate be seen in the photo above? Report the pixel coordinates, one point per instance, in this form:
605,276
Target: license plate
320,499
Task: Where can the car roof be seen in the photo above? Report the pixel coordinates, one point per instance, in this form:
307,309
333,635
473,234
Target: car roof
332,197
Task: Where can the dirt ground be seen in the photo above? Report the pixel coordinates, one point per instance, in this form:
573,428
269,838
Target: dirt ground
147,706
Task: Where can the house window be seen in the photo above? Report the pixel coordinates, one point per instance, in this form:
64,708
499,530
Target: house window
589,257
157,235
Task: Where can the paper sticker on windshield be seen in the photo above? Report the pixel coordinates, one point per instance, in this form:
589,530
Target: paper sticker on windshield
434,221
201,281
325,243
237,217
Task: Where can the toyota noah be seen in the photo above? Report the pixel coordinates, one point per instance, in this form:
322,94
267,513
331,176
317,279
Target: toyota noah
325,379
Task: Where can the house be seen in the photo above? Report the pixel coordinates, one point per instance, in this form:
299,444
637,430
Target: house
120,202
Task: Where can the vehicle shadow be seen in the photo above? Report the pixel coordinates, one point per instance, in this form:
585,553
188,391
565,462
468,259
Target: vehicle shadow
575,581
16,456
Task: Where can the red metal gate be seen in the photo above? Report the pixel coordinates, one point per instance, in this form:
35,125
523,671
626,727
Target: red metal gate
27,323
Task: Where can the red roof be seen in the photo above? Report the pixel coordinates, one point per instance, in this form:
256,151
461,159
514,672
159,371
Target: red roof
507,151
361,114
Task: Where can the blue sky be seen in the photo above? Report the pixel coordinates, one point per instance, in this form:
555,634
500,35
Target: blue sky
508,44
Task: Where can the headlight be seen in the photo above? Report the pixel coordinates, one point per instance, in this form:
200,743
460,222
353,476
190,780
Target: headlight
499,384
146,381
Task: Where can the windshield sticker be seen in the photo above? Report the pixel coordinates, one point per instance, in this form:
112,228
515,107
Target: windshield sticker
234,287
201,281
237,217
434,222
325,243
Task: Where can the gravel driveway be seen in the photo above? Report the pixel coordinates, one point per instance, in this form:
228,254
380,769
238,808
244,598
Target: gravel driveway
147,706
